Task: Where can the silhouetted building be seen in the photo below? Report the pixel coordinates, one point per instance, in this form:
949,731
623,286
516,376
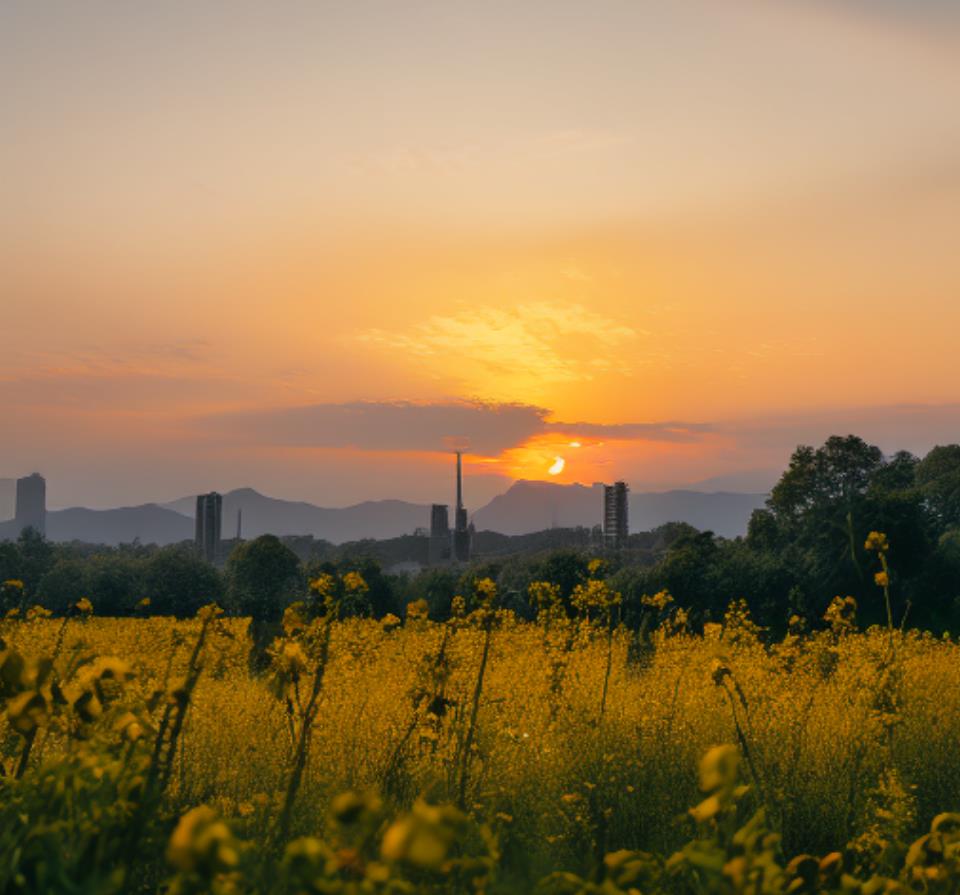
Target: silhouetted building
31,511
208,522
446,546
615,524
438,551
462,532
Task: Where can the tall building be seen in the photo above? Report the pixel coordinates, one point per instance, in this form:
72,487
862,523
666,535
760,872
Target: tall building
447,546
615,524
208,521
438,550
462,533
31,511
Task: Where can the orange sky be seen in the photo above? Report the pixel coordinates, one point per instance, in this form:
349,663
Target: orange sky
707,230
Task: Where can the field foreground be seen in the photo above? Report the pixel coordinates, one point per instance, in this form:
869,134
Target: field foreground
480,754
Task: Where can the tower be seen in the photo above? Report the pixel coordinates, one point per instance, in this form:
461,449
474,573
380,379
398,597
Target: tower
438,550
461,531
31,511
207,529
615,523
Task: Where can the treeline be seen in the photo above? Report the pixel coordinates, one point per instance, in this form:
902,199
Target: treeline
804,548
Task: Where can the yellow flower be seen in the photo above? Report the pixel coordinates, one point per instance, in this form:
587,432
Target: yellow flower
353,583
324,585
209,612
660,600
877,541
544,594
201,840
292,658
486,590
882,579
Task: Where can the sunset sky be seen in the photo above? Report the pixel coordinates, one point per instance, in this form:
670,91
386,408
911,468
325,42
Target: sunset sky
311,247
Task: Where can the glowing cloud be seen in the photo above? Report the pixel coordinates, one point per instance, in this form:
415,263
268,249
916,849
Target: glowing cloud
513,352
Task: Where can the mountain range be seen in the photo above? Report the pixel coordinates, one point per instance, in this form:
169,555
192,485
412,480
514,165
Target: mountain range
525,507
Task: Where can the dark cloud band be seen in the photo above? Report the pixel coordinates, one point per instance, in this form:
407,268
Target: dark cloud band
483,428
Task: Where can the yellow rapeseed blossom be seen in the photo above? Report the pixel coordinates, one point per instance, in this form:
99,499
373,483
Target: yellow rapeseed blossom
353,583
877,541
660,600
324,585
486,590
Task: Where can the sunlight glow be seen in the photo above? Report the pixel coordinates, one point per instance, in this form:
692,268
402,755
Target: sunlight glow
557,467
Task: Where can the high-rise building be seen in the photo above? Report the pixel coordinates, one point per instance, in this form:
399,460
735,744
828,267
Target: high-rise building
438,551
462,533
208,522
31,511
615,523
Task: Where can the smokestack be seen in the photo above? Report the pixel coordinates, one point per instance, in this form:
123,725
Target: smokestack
461,531
459,484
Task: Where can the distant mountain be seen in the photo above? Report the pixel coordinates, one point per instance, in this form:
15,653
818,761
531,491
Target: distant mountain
526,507
753,481
725,513
270,515
8,498
532,506
150,523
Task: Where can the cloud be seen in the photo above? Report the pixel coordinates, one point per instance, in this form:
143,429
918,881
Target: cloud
496,351
666,431
483,428
388,426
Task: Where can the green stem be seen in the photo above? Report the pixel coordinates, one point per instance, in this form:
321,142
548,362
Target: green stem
474,711
303,741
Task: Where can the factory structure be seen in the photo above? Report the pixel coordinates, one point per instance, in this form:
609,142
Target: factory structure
616,526
450,546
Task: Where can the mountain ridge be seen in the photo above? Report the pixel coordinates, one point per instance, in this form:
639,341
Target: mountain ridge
525,507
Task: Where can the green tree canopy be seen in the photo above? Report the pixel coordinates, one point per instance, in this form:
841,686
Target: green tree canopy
178,582
263,577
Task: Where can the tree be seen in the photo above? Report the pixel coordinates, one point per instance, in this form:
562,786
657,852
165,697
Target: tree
688,571
112,583
438,587
63,585
178,582
566,569
938,477
380,596
36,558
11,566
940,581
263,576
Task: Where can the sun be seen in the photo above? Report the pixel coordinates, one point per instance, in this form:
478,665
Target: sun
558,464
